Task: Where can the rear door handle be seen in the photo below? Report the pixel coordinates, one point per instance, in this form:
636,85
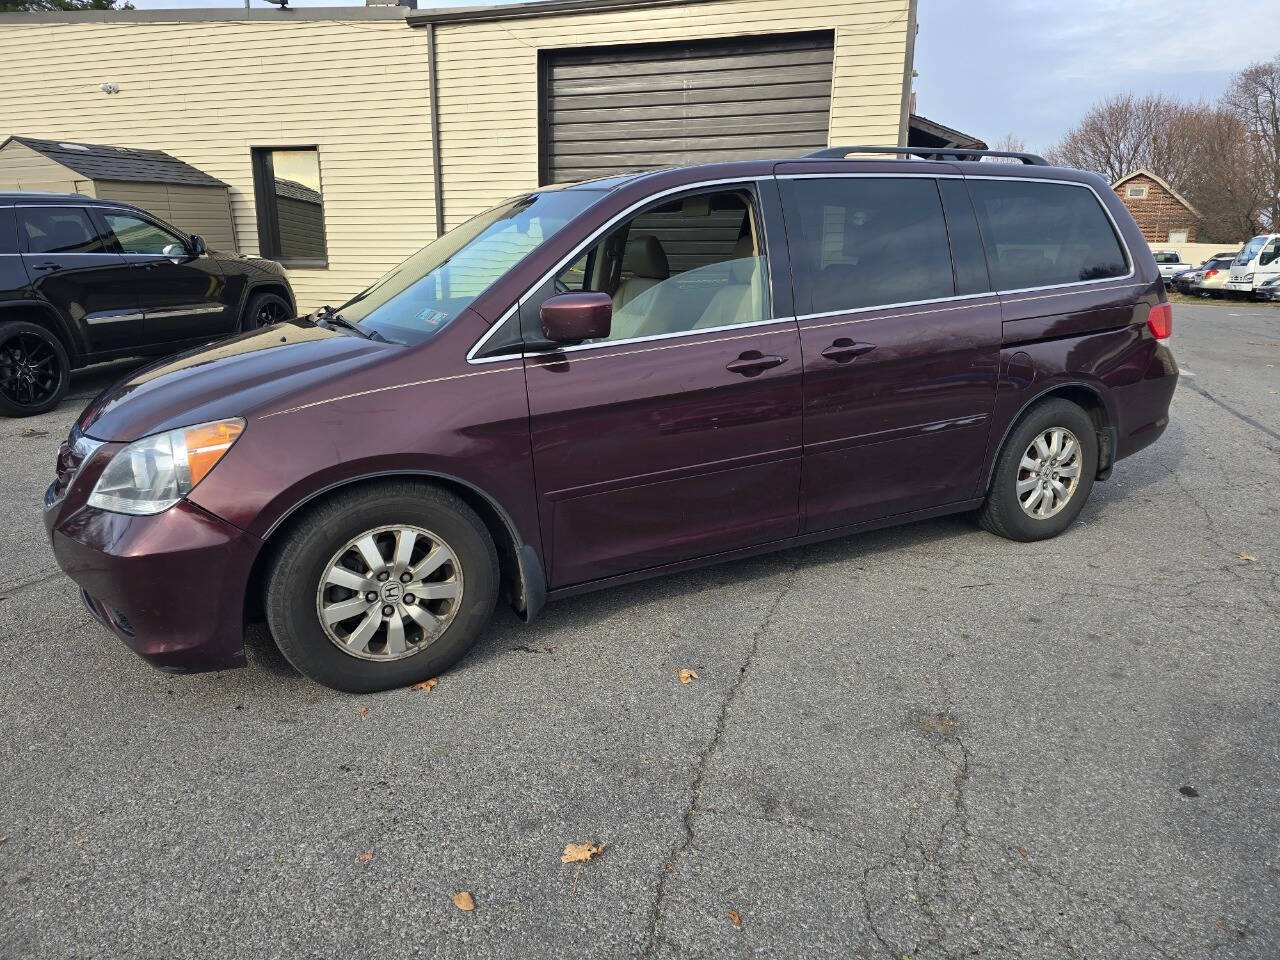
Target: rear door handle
753,363
844,350
46,266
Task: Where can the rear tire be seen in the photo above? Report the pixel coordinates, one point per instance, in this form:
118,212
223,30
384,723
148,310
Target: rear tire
34,369
1039,486
264,309
397,638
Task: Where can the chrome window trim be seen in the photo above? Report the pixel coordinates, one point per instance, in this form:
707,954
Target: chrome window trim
894,306
591,239
895,176
1065,288
671,336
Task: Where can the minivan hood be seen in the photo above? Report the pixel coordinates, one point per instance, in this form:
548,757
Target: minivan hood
247,374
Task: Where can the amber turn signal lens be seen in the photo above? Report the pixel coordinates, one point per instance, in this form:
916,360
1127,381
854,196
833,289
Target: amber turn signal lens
207,444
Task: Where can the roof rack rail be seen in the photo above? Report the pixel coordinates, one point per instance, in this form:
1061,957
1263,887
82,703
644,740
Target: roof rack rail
927,153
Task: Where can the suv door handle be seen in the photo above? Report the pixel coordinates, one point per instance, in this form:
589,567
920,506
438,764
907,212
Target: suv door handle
45,266
845,350
753,363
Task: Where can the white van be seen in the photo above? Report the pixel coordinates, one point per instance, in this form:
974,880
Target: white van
1257,262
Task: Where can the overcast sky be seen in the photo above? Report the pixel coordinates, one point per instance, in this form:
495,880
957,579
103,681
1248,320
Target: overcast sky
1030,67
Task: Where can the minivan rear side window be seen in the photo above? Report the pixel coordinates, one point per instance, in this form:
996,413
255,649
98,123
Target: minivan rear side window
1042,234
866,241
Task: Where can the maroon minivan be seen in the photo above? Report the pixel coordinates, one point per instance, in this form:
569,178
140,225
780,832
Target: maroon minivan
596,383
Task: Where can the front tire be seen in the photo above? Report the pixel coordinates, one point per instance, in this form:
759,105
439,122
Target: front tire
34,369
1044,473
382,586
264,309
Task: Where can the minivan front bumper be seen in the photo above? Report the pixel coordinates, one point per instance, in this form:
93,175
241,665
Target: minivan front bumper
171,586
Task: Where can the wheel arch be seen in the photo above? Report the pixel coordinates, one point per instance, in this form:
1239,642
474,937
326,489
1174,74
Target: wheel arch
1088,396
43,314
522,579
279,287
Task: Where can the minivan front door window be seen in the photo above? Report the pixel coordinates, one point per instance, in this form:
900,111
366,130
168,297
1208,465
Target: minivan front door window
695,263
417,298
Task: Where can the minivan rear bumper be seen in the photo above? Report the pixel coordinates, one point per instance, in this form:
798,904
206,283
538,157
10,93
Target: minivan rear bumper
170,586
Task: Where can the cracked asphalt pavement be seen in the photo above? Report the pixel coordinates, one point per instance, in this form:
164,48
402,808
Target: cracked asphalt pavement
924,742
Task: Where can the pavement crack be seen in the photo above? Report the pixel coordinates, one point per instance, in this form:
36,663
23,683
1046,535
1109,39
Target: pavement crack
1242,417
694,806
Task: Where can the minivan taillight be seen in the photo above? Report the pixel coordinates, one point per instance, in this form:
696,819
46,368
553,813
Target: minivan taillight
1160,320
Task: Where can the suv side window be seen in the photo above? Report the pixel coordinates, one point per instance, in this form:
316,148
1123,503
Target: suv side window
59,230
136,235
694,263
1043,234
866,242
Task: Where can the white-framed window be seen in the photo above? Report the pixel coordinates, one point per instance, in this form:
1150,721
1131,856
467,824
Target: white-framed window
1178,236
1136,193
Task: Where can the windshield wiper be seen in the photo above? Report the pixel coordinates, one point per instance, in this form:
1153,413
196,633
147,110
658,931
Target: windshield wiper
337,319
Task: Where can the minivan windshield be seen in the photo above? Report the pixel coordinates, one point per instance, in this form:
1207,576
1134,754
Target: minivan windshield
420,296
1251,249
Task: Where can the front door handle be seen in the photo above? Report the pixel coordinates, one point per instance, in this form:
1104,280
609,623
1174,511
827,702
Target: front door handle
753,363
45,266
844,350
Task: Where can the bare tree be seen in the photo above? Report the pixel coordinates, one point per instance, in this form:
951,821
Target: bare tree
1010,142
1209,153
1254,95
1125,133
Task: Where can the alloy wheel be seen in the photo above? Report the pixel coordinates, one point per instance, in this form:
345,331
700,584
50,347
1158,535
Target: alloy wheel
1049,473
389,593
271,311
29,370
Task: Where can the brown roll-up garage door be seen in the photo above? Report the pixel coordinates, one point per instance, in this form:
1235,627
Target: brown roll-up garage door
609,110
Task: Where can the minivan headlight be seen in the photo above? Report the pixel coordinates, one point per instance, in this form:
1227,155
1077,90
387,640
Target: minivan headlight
152,474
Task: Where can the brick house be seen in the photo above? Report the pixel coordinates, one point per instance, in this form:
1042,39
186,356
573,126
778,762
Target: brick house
1162,214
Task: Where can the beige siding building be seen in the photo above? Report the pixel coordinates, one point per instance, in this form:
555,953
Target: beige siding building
349,90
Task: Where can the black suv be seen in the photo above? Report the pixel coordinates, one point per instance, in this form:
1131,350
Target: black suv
84,280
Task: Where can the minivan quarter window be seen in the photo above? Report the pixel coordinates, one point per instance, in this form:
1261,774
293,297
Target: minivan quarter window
1041,234
861,242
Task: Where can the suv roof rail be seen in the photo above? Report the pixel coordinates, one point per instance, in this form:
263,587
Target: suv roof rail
927,153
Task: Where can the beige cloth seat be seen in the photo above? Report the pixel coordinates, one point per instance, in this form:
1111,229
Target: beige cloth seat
741,300
646,262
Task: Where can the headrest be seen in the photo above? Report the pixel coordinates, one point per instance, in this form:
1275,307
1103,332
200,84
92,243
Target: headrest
646,258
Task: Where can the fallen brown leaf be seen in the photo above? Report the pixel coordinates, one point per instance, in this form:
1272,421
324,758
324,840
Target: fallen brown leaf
80,841
734,918
364,711
464,901
1247,557
688,676
366,857
1022,852
580,852
30,432
426,686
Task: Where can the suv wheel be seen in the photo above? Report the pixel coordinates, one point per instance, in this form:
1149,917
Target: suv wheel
382,586
34,369
264,309
1044,473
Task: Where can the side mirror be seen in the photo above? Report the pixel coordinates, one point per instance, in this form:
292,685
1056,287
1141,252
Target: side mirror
573,317
197,245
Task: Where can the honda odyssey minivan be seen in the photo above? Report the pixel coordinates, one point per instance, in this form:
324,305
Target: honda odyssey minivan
591,384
